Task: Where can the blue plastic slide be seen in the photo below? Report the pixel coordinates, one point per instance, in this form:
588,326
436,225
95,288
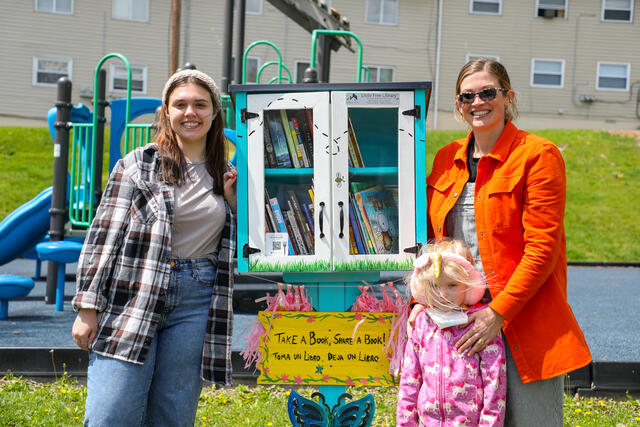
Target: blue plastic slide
25,227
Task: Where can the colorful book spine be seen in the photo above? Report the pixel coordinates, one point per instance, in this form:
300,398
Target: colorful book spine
308,216
304,162
293,226
279,140
303,127
282,226
356,231
296,156
358,161
367,225
269,150
294,204
271,221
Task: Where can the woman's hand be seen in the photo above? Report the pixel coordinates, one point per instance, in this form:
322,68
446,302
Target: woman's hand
486,325
411,321
85,327
230,188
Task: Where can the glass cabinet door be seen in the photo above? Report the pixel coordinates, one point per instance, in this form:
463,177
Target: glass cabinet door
288,156
373,179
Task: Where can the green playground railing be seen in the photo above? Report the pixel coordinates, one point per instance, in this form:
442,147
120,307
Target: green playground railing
265,65
278,62
82,198
314,40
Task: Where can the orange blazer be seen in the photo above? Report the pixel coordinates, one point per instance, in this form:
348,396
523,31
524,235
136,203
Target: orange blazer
520,197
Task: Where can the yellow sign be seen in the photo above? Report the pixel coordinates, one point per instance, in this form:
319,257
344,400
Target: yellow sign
320,348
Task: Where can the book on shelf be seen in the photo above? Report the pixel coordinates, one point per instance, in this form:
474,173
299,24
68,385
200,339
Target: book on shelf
353,250
304,162
294,150
279,218
271,221
357,160
303,122
365,227
296,208
382,216
294,231
270,160
278,139
355,230
308,215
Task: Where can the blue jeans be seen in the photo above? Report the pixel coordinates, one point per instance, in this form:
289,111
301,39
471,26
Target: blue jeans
166,388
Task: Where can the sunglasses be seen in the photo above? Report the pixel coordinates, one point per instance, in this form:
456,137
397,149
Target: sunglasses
487,94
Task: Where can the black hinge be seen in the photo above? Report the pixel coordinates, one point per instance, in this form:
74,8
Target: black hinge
414,249
414,112
248,250
246,115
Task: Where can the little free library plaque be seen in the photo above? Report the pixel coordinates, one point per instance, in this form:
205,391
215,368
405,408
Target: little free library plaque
320,348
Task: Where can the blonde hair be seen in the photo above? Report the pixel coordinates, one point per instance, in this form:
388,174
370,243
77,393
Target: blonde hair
450,261
497,70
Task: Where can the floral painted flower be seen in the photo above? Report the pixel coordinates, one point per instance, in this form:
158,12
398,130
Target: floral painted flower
298,380
357,316
326,378
265,370
285,377
363,381
278,315
376,379
349,382
310,319
381,319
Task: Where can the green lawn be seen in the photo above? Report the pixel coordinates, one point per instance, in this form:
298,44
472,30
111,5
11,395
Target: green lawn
603,195
26,403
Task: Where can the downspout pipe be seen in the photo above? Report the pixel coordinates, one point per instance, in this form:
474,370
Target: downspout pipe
436,78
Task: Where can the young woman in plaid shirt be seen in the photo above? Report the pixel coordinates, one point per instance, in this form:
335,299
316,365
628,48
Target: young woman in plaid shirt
155,278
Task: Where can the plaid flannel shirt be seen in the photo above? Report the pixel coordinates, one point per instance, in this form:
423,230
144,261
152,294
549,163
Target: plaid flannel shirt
124,267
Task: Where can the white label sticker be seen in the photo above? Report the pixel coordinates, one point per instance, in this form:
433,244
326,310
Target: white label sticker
373,98
277,244
56,150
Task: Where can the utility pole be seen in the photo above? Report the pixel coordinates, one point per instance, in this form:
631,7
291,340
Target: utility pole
174,45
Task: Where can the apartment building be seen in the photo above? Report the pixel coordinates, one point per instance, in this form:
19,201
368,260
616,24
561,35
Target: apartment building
573,63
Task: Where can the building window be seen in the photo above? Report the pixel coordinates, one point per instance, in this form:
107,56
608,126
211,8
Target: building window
301,66
547,73
617,10
486,7
118,78
551,8
380,74
130,10
471,56
47,71
613,76
381,12
55,6
252,7
252,69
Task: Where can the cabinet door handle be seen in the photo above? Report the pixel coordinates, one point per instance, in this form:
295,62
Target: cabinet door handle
341,235
321,215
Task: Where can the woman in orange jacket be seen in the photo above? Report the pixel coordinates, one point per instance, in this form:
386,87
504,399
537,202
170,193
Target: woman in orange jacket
502,191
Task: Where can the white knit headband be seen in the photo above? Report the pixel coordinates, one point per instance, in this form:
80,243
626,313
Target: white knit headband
198,75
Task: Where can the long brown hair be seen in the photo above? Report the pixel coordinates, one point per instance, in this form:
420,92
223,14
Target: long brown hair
498,71
173,164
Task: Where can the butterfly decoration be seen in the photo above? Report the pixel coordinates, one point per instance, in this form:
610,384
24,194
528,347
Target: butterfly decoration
308,413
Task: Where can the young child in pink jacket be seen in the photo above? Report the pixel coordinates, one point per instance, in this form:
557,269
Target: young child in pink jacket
439,386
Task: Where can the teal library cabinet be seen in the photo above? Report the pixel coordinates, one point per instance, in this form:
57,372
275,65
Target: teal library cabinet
331,185
331,177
